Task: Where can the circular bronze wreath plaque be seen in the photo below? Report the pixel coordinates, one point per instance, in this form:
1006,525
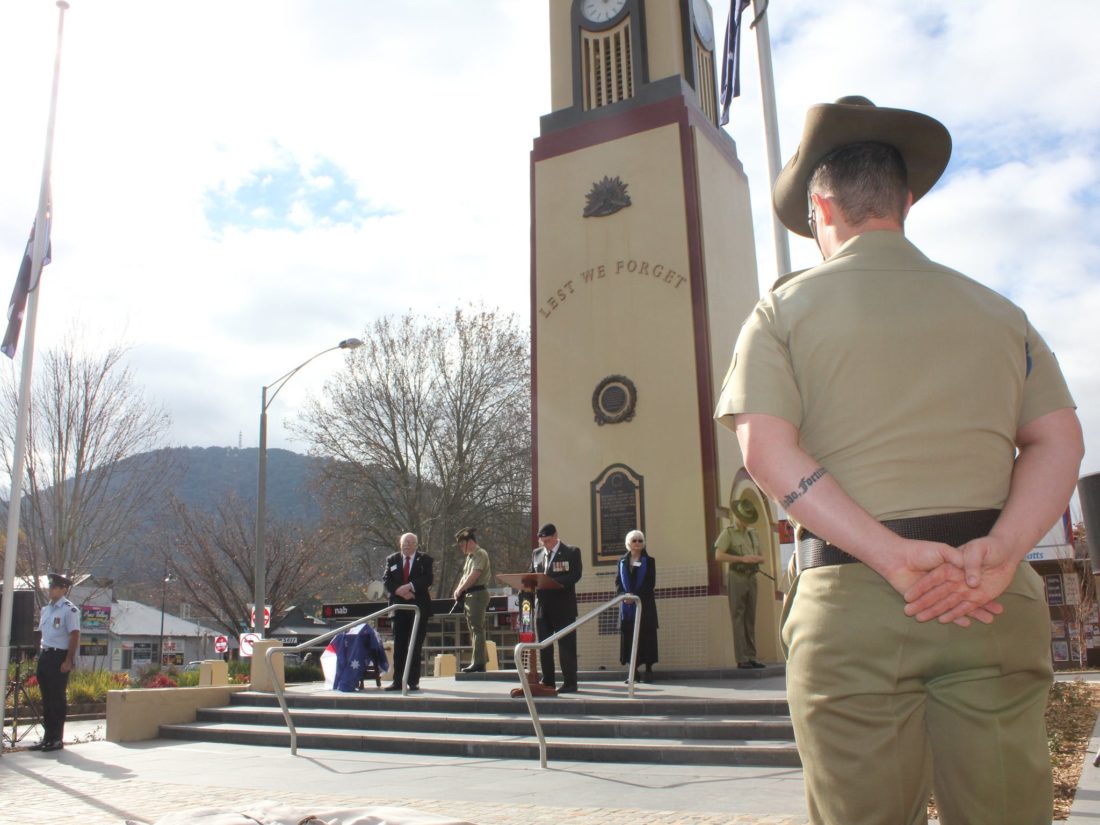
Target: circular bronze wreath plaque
614,400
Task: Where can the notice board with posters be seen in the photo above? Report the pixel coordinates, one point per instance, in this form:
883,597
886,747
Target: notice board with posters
1056,596
93,645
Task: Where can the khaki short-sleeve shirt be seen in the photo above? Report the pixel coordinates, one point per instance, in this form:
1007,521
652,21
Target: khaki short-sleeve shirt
479,560
906,380
738,542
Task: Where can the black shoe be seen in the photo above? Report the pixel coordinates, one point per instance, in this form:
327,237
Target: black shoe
567,689
53,746
40,746
474,669
393,686
745,665
414,687
544,683
755,663
647,677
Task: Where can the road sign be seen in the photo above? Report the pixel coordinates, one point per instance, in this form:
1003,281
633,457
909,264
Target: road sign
247,641
221,644
252,615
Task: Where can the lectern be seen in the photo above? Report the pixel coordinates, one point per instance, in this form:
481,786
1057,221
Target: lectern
527,584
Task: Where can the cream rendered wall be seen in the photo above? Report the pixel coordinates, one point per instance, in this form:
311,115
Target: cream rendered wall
618,322
732,293
561,55
664,42
590,325
729,256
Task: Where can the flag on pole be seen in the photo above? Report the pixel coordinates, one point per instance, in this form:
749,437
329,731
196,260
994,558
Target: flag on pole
731,58
23,286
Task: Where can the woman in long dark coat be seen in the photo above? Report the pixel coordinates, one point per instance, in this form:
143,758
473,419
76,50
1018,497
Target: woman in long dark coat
637,574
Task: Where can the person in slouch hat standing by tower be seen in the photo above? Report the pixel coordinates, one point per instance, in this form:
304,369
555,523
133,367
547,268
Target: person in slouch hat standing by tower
739,547
408,580
59,624
919,431
473,590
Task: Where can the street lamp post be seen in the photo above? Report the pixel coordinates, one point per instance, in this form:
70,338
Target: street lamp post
163,599
260,571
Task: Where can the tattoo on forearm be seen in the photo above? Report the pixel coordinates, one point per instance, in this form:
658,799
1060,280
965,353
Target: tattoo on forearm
803,487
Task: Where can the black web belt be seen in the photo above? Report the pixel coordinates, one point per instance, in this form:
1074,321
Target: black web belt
949,528
476,588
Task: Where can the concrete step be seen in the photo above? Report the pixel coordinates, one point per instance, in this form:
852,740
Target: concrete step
600,723
508,674
602,748
574,704
650,726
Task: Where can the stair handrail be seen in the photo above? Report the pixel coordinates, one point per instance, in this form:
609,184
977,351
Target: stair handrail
523,647
280,689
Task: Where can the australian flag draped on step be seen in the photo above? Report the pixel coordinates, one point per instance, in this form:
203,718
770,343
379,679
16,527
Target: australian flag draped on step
731,58
348,656
23,286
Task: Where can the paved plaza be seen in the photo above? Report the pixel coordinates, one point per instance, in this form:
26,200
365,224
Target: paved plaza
102,783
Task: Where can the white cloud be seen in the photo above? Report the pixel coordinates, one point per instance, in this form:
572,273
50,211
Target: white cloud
429,109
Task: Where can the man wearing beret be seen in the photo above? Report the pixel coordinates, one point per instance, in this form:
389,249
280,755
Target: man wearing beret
408,579
473,590
557,609
59,624
920,433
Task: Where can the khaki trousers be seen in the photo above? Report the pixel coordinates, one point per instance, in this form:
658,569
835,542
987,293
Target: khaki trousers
474,607
886,709
741,591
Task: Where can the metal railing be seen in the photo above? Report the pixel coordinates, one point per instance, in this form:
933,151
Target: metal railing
280,689
523,647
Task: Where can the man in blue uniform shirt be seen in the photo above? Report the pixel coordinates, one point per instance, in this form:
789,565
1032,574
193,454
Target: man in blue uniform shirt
60,627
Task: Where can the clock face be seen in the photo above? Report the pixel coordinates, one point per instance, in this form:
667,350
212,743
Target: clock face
600,11
704,23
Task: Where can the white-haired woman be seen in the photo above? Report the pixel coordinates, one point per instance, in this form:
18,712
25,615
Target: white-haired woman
638,575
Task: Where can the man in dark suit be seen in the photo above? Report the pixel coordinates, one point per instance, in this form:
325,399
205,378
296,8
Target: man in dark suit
407,579
556,609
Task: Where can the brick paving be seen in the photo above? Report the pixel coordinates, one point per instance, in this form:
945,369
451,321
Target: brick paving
94,782
33,792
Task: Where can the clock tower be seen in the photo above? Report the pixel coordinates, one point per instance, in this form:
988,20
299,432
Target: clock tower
642,270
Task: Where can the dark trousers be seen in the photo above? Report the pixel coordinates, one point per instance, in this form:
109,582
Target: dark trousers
402,631
53,684
567,649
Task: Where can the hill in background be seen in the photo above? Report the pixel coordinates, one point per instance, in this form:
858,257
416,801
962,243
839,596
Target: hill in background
205,476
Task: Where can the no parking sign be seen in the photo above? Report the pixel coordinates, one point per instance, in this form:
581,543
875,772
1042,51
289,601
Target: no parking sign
248,640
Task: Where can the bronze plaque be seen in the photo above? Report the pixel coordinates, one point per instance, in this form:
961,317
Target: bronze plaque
618,506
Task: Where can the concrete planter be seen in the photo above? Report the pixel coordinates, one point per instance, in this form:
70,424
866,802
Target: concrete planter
136,715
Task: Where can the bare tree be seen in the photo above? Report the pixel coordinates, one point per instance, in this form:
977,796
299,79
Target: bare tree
429,429
212,557
93,467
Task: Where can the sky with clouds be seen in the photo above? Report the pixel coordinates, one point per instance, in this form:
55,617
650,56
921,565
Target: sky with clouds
238,186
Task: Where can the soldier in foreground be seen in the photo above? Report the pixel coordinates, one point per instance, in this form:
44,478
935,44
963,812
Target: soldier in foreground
881,398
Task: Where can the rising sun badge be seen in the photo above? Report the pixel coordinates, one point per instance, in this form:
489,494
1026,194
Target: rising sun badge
607,197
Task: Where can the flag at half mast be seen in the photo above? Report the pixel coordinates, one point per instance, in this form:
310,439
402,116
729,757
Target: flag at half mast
23,286
731,58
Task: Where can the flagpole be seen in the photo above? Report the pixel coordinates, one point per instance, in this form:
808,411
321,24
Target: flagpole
15,497
771,127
